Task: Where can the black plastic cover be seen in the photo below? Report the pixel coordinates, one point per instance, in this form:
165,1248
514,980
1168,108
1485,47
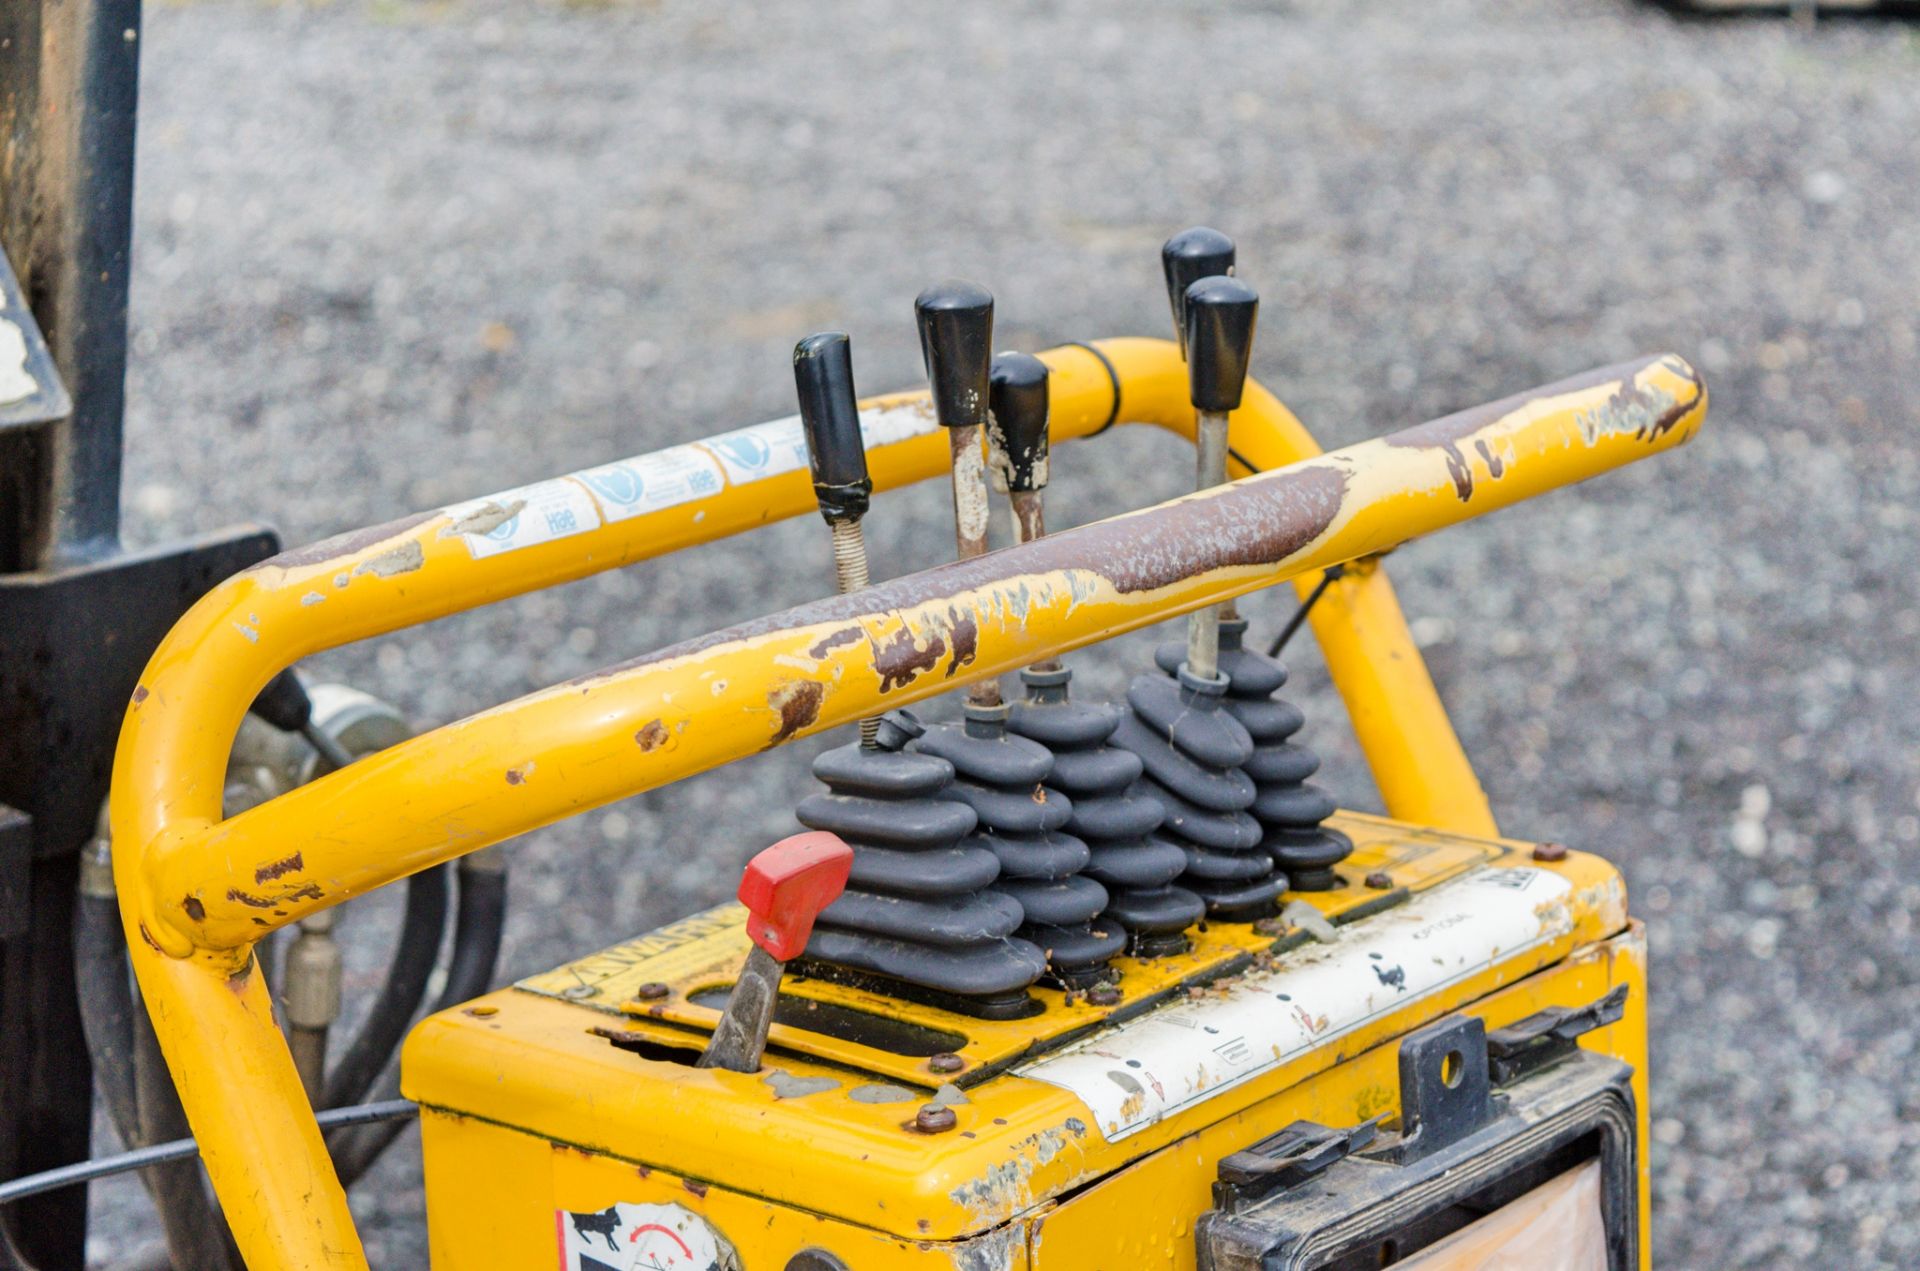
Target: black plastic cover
830,416
956,342
1186,258
1221,313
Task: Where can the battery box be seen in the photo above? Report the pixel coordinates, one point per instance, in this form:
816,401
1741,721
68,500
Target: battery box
564,1124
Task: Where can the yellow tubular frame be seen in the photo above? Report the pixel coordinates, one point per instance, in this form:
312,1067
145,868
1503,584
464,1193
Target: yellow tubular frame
196,892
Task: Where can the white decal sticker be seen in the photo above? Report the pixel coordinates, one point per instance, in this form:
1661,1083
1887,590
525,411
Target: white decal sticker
1144,1070
780,445
627,1237
762,451
647,483
533,514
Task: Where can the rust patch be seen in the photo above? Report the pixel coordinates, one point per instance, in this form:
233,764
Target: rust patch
798,702
515,776
966,638
900,657
139,694
652,736
697,1188
827,644
195,910
311,891
1646,413
277,869
148,937
1496,466
351,543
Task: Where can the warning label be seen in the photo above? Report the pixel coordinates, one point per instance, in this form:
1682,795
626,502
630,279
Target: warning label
627,1237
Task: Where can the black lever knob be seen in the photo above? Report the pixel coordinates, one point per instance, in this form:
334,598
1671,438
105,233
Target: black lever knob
956,340
1018,395
1187,257
1220,318
830,415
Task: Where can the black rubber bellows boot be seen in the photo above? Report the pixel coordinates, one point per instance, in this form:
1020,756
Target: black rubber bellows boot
1001,776
919,918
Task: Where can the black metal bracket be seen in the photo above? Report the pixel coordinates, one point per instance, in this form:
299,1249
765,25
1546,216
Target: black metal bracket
1548,1036
1287,1159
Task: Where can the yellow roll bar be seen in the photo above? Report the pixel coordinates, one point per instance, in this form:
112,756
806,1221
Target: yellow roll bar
196,892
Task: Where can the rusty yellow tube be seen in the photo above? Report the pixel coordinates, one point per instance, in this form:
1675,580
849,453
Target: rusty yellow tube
195,893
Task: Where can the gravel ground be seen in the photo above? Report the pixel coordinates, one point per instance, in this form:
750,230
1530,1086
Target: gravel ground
392,255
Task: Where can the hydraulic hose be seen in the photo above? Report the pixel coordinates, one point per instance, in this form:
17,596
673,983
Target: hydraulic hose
412,966
479,919
140,1097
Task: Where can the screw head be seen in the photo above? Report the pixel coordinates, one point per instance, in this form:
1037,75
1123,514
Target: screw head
651,991
945,1063
579,992
1380,881
482,1012
1550,853
935,1118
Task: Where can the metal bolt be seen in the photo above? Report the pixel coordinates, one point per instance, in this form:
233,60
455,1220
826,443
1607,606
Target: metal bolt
1550,853
482,1012
1103,995
579,992
651,991
935,1118
1380,881
946,1063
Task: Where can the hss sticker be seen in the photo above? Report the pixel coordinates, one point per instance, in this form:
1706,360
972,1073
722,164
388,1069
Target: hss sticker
627,1237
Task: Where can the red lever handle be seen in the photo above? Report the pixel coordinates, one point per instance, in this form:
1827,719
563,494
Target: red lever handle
787,885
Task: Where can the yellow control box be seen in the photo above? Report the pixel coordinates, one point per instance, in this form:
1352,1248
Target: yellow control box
564,1124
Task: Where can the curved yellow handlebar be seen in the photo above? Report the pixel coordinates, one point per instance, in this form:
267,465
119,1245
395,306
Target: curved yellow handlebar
196,891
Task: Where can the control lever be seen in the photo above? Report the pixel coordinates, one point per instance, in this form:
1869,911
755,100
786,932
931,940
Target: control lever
837,453
784,889
1186,258
956,339
1018,447
1220,313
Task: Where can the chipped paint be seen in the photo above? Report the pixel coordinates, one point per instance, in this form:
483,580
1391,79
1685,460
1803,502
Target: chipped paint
881,1092
311,599
253,637
787,1086
1004,1190
401,558
652,735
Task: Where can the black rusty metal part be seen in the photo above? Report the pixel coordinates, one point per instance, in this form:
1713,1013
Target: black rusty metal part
1221,313
1193,750
918,910
1001,776
1112,814
1185,259
1290,810
823,379
956,342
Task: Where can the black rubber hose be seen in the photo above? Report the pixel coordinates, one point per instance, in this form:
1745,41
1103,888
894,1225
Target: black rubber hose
106,1008
133,1077
479,921
405,988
